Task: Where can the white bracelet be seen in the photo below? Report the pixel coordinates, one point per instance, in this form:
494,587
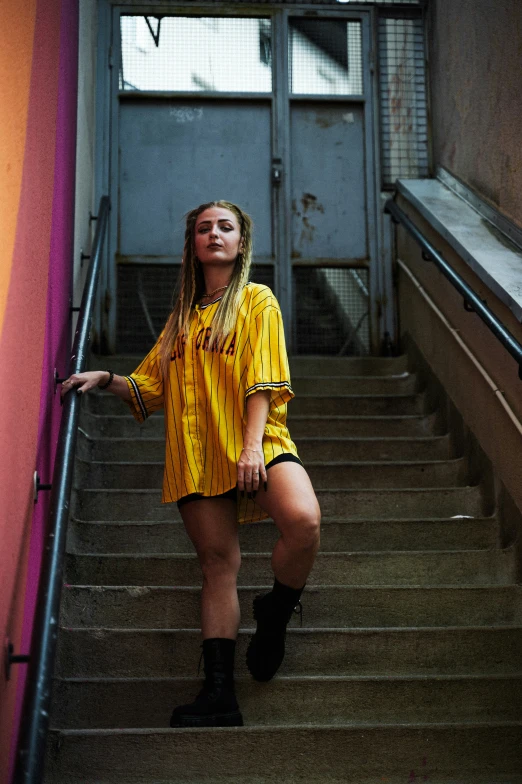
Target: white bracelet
245,449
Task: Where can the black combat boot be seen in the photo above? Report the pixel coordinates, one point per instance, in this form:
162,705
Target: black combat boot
216,704
272,612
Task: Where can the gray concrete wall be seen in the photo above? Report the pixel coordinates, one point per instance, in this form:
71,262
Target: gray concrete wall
498,434
475,60
85,161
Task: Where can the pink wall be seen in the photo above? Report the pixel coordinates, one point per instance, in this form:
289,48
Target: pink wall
36,327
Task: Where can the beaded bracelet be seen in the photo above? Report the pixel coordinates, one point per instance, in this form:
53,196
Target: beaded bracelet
109,382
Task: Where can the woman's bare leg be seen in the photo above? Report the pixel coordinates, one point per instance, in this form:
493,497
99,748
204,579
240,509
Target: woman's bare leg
290,501
212,527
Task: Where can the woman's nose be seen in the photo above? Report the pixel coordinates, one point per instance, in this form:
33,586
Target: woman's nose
213,231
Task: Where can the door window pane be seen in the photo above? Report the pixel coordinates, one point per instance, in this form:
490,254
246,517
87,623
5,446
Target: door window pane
325,57
196,54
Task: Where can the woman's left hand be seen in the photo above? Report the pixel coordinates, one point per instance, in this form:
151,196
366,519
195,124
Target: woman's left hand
251,470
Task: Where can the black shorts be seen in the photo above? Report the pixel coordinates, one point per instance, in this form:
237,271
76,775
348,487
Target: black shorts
287,457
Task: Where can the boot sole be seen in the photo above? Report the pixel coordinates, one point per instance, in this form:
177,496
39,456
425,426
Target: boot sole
215,720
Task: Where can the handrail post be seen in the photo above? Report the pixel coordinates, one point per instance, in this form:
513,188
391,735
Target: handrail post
35,721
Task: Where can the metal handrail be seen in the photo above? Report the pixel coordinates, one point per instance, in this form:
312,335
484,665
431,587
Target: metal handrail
472,301
31,749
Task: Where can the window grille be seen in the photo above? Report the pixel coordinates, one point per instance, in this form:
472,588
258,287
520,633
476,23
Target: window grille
331,311
146,298
403,100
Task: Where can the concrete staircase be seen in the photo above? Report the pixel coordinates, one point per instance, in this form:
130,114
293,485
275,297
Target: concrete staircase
408,665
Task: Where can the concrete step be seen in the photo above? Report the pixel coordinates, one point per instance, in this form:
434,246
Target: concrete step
472,567
377,426
327,700
356,536
406,384
146,505
324,475
150,450
299,366
360,405
326,606
125,426
482,753
389,404
148,653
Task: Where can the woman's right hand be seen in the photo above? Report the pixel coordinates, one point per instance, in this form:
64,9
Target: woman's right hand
84,382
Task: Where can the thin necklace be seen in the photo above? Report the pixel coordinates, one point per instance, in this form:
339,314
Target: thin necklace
221,288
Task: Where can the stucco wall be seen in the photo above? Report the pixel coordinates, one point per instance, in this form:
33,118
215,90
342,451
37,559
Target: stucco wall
476,102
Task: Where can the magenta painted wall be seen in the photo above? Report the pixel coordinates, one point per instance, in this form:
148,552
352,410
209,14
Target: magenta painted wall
57,288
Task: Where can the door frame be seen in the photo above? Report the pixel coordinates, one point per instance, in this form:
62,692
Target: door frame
107,143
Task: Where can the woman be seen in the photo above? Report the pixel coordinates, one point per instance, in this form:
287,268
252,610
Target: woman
220,371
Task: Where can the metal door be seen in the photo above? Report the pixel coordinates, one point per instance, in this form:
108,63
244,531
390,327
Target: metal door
272,111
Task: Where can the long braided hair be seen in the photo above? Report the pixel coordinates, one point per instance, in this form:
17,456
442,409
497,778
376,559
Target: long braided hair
191,284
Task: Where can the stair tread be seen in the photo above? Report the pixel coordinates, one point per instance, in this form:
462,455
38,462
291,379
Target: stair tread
156,491
317,439
309,463
284,727
294,417
513,587
309,678
325,520
412,629
320,554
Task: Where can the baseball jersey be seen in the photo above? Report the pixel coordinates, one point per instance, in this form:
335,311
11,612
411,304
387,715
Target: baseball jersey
204,397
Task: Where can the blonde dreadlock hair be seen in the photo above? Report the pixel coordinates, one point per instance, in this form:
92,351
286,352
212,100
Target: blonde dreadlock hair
191,284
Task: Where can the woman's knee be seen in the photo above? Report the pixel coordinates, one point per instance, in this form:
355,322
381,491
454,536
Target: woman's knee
302,527
219,564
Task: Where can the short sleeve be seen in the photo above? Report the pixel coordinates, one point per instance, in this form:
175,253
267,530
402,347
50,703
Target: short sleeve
268,363
146,385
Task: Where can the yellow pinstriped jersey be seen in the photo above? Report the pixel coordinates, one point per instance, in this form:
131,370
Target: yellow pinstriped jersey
204,397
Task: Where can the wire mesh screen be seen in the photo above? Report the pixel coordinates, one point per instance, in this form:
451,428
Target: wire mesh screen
196,54
402,80
325,57
145,296
145,300
381,2
322,2
331,311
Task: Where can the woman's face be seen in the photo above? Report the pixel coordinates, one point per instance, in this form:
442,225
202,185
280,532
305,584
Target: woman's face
218,236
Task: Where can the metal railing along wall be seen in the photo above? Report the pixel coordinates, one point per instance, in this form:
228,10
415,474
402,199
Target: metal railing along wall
35,721
472,301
